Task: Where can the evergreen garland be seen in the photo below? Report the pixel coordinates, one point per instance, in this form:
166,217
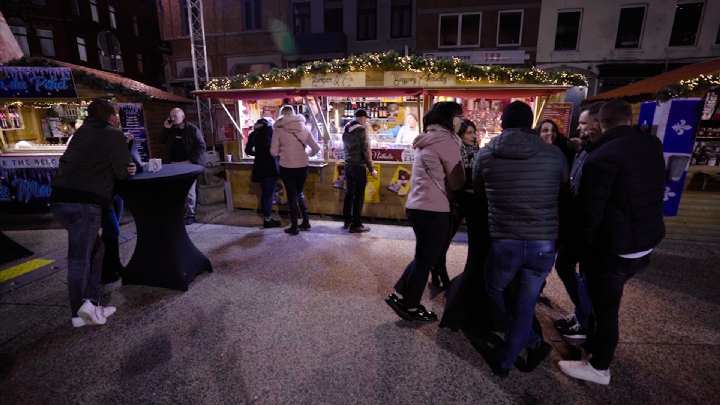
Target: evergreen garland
391,61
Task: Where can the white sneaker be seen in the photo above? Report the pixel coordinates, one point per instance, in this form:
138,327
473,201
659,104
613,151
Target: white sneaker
583,370
91,314
106,311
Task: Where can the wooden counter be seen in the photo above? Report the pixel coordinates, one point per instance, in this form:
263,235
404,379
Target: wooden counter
321,196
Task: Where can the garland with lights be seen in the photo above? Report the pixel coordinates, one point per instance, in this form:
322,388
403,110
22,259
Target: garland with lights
688,87
391,61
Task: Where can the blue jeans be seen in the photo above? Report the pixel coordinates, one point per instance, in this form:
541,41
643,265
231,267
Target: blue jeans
530,261
85,250
575,284
111,236
268,191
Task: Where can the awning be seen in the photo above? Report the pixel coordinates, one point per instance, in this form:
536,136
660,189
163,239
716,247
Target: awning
495,92
652,85
501,91
152,92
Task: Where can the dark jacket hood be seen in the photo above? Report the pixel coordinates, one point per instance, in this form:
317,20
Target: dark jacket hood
516,143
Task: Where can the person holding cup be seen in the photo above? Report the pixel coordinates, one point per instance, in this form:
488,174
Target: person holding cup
83,186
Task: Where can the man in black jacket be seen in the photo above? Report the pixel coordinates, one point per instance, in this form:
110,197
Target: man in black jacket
570,246
358,157
521,177
96,157
621,193
185,143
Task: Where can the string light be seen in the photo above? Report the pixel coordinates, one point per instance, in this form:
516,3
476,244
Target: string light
687,87
465,72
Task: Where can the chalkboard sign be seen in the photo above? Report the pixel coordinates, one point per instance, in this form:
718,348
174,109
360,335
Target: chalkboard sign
132,120
36,82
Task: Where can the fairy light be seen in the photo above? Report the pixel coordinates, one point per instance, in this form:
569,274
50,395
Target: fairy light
465,72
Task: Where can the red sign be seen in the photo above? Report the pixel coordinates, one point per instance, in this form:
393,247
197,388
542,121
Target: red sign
561,114
387,155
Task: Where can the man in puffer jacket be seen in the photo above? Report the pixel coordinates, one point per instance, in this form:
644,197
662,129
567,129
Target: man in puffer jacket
521,177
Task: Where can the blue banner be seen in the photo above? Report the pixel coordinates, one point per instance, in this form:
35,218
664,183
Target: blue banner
682,124
36,82
647,114
673,192
27,180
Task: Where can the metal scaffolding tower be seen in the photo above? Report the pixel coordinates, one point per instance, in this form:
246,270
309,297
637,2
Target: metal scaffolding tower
198,50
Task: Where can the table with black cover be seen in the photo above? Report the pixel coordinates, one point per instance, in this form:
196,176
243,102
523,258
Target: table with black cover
164,254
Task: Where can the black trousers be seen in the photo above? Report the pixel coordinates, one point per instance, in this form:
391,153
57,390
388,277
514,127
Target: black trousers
606,278
431,231
467,207
356,178
294,181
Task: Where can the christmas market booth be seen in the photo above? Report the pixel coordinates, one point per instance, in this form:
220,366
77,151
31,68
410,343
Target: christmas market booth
395,91
42,103
681,108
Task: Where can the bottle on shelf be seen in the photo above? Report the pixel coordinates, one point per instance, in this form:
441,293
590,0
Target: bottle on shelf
3,120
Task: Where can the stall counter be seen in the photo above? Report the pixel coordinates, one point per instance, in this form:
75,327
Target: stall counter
321,195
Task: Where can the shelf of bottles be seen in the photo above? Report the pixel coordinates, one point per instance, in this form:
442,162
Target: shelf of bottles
386,116
11,118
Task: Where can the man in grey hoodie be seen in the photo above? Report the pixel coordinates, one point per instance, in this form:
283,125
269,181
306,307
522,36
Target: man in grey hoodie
521,177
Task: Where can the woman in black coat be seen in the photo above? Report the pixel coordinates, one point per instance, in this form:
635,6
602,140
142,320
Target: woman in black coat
265,168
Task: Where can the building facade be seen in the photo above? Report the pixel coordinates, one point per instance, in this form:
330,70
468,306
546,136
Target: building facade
119,36
241,36
479,31
616,42
256,35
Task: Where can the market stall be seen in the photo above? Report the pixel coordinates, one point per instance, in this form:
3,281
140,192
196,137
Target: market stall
42,104
395,91
680,107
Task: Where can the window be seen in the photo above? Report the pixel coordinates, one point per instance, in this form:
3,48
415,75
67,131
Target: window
301,17
333,16
401,19
510,27
136,27
366,20
630,27
21,36
82,49
686,24
568,30
459,30
252,13
113,21
109,52
94,11
140,62
47,42
184,23
75,7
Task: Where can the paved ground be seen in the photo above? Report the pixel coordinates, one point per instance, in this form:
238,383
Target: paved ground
301,320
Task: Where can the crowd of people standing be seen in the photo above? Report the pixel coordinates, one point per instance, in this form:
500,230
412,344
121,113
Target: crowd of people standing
532,200
590,207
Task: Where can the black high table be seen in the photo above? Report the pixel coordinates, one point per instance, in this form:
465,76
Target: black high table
164,255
